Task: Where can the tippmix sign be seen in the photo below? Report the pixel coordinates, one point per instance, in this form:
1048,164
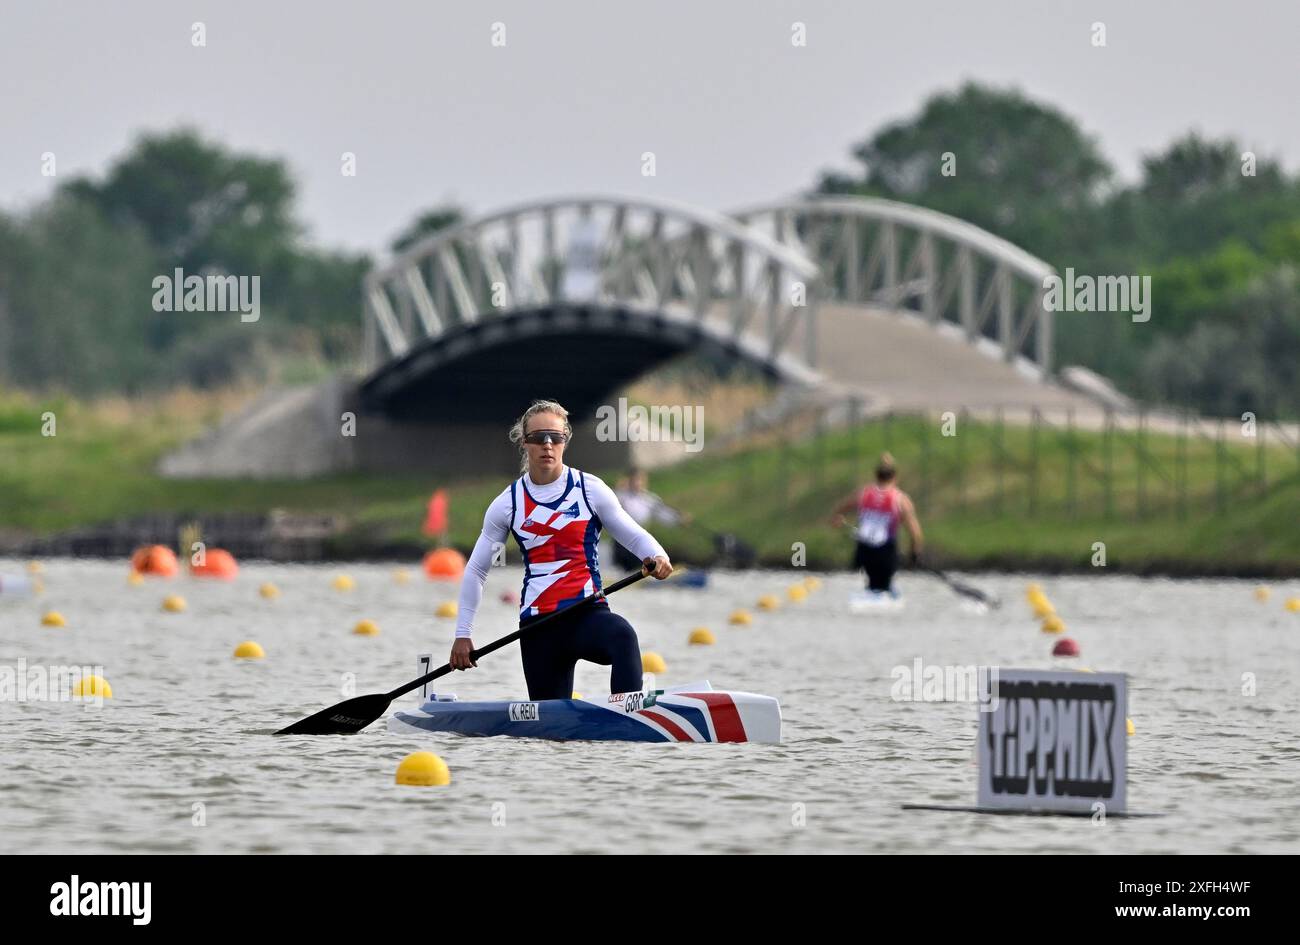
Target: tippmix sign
1054,741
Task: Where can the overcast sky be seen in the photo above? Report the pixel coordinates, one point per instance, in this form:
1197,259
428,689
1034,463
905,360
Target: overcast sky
733,112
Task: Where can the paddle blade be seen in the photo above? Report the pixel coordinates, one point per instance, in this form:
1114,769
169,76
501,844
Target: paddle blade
346,718
974,593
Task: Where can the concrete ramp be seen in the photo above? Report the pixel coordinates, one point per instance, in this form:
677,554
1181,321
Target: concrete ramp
287,432
899,361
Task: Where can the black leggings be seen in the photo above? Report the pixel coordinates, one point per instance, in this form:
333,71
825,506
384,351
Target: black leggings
592,632
880,563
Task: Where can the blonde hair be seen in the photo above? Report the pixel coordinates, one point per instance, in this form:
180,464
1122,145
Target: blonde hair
885,469
517,431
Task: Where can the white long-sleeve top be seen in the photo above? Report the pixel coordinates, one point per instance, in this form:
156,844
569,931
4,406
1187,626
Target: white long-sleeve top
496,528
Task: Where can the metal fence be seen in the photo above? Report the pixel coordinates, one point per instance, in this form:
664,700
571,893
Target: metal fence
1026,463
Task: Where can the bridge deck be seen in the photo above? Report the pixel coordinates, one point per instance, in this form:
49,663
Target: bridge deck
901,362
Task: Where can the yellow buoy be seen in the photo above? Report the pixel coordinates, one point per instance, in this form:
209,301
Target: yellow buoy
740,618
402,576
796,592
1033,590
1293,604
52,618
173,603
342,582
423,769
269,591
92,686
366,628
702,636
1128,726
653,663
769,602
447,608
248,650
135,578
812,583
1053,624
1262,593
35,567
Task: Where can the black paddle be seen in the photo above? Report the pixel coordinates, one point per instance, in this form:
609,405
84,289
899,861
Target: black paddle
974,593
352,715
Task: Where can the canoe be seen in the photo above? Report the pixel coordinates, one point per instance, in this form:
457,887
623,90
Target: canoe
876,602
694,713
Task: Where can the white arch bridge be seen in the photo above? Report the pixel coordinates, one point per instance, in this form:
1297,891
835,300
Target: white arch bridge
575,297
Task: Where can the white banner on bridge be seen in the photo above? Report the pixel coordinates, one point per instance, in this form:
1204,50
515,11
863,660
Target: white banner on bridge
583,263
1054,741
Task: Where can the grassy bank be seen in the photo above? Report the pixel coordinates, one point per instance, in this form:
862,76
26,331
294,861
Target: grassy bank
989,497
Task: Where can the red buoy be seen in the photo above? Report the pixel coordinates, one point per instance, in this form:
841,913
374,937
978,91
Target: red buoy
1065,647
444,564
217,563
154,560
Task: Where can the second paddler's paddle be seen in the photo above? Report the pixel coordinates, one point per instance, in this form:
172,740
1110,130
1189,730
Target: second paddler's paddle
974,593
352,715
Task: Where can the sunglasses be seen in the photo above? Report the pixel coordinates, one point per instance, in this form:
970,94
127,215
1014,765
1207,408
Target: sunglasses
539,437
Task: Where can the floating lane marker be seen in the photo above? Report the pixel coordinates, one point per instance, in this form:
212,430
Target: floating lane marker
1065,647
423,769
96,687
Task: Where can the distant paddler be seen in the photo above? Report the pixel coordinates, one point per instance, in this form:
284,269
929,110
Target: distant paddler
880,508
646,508
556,514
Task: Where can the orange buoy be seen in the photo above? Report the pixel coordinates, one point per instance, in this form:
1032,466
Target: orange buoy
154,560
1065,647
217,563
444,564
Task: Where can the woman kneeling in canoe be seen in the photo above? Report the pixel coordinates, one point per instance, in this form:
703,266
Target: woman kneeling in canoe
556,514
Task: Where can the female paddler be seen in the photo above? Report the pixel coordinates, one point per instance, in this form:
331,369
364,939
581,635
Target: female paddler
556,514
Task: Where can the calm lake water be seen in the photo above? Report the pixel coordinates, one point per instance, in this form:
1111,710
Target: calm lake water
182,760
